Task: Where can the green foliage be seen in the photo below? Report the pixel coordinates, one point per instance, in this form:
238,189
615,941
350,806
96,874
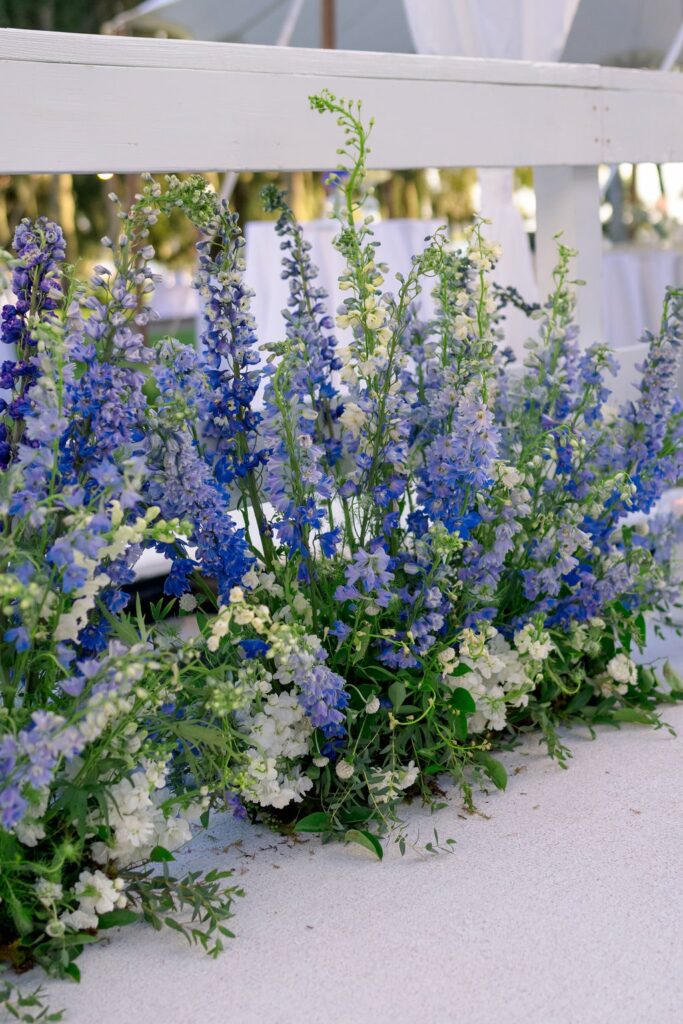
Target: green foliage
27,1007
196,906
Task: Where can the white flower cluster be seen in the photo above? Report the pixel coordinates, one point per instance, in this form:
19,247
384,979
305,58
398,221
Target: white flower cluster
385,786
534,642
276,726
96,895
138,824
242,614
499,676
621,673
278,731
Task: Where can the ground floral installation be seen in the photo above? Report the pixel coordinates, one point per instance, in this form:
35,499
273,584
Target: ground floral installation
407,553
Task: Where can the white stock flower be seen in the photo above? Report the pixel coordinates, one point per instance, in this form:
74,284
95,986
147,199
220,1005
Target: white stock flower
498,679
622,669
344,770
386,786
96,893
79,920
174,833
48,892
188,602
272,788
136,822
29,832
534,642
353,418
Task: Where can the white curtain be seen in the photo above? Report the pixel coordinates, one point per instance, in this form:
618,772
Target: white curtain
514,30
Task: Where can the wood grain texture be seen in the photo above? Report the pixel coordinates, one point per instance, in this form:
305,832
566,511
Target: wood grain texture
92,103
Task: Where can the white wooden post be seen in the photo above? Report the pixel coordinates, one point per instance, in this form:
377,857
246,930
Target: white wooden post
568,201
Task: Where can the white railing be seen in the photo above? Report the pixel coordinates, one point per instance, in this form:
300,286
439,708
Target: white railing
97,103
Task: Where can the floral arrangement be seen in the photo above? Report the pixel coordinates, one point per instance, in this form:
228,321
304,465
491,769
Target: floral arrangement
388,552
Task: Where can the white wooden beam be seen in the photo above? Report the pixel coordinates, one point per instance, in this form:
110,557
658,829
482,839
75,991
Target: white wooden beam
92,103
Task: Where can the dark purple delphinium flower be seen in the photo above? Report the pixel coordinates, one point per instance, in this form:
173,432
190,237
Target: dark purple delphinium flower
39,247
307,323
182,482
253,648
301,400
185,488
229,343
107,402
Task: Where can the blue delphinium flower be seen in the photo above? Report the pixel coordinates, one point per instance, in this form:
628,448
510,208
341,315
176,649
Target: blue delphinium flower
653,423
253,648
228,340
323,697
36,283
458,466
182,482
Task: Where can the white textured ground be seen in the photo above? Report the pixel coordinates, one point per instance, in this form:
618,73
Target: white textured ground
562,904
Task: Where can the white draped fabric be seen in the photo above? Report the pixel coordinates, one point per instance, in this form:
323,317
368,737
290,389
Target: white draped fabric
635,279
512,30
506,29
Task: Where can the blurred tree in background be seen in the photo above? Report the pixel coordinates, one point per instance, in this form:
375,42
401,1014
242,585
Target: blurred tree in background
60,15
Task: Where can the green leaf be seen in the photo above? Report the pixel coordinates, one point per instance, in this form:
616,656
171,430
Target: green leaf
672,677
642,631
316,822
397,694
647,679
355,813
607,646
73,971
198,734
460,670
632,715
78,939
493,768
118,918
160,854
459,726
462,700
366,839
579,700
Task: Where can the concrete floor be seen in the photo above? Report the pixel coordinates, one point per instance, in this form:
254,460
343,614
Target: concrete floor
562,903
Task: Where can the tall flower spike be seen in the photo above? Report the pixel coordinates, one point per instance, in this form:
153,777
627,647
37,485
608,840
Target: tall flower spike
182,483
39,248
302,406
651,436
